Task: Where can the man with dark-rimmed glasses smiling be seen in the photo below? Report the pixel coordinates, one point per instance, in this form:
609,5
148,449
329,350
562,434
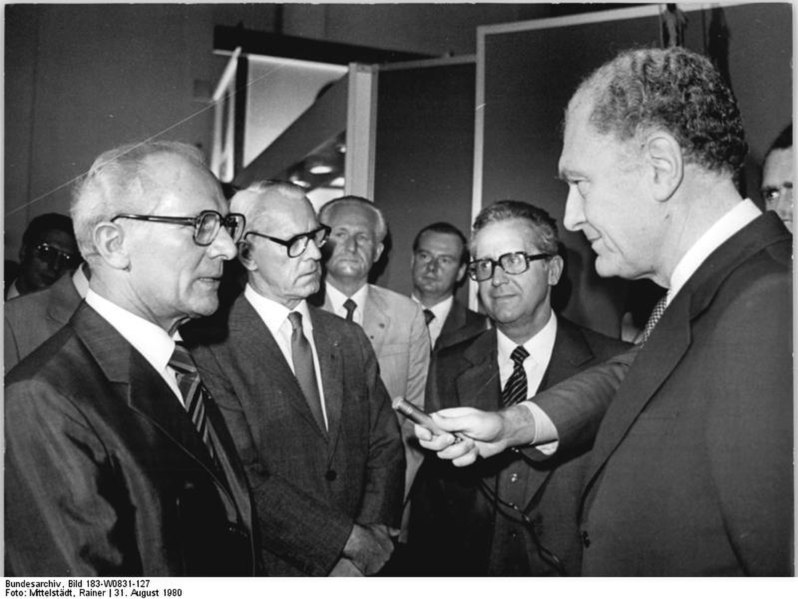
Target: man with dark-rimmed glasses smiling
117,460
505,517
301,393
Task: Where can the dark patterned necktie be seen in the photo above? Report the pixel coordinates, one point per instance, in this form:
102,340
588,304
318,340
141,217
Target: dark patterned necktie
428,316
302,356
515,388
656,314
350,305
193,391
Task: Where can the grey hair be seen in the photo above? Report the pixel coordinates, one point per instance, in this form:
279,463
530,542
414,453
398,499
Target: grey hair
249,201
116,183
326,212
537,218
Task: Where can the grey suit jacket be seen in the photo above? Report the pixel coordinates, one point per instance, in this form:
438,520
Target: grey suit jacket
457,528
32,319
105,474
310,485
395,325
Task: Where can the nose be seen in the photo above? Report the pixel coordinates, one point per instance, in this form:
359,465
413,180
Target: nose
223,246
349,243
499,276
312,251
574,210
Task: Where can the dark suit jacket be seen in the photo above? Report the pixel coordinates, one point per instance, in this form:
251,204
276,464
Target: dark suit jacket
455,527
33,318
310,485
460,324
692,469
105,473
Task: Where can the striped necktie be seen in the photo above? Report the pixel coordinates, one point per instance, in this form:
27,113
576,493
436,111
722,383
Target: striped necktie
515,388
193,391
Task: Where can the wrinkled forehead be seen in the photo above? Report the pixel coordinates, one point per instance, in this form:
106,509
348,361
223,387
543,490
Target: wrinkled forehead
275,212
354,217
509,235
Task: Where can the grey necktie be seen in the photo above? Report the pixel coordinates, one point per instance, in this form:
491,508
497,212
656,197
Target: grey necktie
350,305
302,355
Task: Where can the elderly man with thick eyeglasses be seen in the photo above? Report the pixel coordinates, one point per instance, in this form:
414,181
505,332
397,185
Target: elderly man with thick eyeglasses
505,516
301,392
118,462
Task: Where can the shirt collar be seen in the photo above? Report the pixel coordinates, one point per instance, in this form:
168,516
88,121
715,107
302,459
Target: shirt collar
150,340
729,224
337,298
539,346
274,314
80,280
440,310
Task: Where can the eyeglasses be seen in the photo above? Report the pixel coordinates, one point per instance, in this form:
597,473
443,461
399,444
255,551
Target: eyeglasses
513,263
297,245
56,259
771,195
206,225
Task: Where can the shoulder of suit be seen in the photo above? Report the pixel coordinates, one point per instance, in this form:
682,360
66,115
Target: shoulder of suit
27,306
395,300
600,343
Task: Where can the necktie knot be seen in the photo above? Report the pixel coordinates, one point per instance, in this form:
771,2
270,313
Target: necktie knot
350,306
295,318
428,315
181,360
519,355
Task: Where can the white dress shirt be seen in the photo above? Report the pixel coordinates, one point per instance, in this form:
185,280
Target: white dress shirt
441,312
150,340
540,348
337,300
725,227
275,316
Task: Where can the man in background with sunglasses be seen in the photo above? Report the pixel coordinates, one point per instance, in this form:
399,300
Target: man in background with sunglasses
48,251
117,460
301,392
506,516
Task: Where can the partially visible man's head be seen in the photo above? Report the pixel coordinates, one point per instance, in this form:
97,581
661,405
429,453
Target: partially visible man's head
514,249
281,246
358,229
440,255
633,129
48,250
778,174
151,221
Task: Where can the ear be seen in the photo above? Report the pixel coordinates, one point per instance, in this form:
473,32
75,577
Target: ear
555,267
461,272
109,239
378,252
245,255
664,157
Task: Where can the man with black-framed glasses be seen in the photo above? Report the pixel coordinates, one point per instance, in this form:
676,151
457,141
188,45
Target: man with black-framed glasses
505,517
117,460
301,392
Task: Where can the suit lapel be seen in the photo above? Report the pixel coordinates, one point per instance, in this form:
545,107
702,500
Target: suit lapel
258,351
455,320
375,319
479,385
331,375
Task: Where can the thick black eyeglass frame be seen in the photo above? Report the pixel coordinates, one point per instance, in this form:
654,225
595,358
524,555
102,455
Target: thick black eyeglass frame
231,221
288,243
44,250
472,266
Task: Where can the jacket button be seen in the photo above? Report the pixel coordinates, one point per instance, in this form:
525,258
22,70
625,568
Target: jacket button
331,475
585,539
